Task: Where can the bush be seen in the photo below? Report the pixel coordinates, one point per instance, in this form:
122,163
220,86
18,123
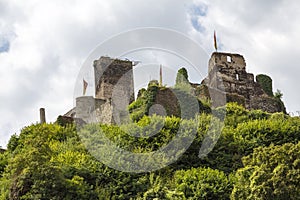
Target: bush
203,183
270,173
51,160
266,83
3,161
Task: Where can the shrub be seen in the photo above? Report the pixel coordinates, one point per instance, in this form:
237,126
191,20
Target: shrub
266,83
270,173
203,183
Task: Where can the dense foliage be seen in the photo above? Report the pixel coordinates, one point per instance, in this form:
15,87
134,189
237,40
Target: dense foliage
182,77
255,157
266,83
270,173
178,102
182,81
145,100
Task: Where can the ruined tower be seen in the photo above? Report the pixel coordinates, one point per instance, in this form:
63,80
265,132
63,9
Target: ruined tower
227,75
114,91
113,77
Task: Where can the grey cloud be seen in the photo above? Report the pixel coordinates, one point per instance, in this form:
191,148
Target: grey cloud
65,37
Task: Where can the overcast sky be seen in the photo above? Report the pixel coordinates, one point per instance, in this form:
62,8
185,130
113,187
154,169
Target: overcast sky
43,45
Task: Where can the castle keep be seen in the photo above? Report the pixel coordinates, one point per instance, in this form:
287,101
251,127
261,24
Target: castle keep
112,75
114,91
227,77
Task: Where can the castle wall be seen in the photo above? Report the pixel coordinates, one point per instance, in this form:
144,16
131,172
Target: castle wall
168,100
92,110
108,73
85,105
227,74
114,91
104,112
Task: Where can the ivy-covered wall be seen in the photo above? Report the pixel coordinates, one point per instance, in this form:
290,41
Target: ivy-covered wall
266,83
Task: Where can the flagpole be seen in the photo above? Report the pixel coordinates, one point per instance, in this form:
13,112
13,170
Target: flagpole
215,41
160,76
85,84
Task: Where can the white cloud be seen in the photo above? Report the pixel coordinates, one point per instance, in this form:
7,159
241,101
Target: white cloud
265,32
53,38
49,40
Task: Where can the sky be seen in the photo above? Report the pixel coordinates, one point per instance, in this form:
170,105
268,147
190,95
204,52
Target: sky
44,44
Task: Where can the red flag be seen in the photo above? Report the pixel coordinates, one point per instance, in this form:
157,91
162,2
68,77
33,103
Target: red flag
215,41
85,84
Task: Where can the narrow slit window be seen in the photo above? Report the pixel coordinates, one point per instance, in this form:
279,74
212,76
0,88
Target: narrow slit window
229,59
237,77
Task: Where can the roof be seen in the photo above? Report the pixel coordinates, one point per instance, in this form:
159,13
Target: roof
71,113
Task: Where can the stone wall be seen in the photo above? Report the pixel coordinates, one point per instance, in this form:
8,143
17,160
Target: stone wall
227,75
85,105
114,91
168,101
92,110
175,102
113,76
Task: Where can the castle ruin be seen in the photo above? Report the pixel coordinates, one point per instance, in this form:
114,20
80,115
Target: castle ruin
227,77
114,91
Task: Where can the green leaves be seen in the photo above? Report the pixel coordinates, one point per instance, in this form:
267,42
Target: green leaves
266,83
260,149
203,183
182,77
270,173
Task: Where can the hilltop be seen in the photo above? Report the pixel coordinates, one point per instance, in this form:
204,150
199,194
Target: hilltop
253,155
252,150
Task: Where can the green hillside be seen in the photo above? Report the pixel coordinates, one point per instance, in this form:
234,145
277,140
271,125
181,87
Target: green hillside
256,157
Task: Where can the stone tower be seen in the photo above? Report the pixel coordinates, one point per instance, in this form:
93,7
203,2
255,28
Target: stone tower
227,75
113,77
114,91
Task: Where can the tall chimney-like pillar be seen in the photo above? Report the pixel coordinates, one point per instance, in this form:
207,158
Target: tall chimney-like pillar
42,116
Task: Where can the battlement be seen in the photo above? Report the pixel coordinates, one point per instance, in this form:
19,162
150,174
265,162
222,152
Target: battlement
114,91
227,60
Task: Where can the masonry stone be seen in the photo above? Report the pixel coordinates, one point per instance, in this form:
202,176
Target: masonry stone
227,81
113,92
109,72
227,76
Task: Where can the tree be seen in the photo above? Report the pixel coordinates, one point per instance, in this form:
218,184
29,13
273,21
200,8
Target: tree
182,82
13,143
266,83
182,77
278,94
3,161
270,173
33,170
203,183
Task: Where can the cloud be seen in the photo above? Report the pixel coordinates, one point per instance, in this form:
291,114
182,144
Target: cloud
6,37
44,43
52,40
196,14
265,32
